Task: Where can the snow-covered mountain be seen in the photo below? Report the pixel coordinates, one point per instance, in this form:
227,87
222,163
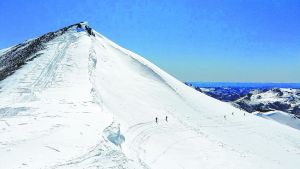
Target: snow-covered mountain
74,99
286,100
279,104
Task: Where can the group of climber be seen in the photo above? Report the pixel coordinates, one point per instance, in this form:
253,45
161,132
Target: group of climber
166,118
156,119
87,28
233,114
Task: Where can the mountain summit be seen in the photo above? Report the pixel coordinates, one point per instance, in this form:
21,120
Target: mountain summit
74,99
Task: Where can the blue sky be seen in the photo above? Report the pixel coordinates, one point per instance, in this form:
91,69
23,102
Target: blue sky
228,40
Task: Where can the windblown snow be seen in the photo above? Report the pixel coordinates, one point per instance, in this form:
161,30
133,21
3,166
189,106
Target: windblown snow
82,101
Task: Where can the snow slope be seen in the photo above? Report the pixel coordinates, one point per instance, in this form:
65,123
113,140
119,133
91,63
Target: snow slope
58,110
281,117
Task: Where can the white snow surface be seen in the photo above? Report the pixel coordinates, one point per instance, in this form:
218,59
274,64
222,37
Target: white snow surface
55,108
281,117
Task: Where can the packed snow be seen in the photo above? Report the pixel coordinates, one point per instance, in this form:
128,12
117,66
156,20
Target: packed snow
281,117
86,102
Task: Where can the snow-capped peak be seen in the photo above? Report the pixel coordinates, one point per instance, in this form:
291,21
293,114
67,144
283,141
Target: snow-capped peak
59,92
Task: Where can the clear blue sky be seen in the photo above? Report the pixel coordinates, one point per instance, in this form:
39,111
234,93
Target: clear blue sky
227,40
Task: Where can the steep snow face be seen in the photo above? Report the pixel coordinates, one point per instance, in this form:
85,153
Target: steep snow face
48,116
55,108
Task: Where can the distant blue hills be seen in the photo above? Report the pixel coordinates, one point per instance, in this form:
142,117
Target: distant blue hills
244,85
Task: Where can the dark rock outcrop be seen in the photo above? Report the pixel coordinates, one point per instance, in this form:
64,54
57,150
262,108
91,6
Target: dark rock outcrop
15,58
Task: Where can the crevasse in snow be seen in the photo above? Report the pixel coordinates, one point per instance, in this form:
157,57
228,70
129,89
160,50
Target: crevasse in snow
113,134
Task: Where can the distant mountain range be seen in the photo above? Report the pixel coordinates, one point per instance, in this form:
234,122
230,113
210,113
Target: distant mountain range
255,97
244,85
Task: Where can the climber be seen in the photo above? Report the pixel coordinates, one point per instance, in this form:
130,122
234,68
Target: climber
88,29
156,119
79,28
166,118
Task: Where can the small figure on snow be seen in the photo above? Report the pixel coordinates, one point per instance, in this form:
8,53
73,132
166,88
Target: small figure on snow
224,116
166,118
156,119
232,113
89,30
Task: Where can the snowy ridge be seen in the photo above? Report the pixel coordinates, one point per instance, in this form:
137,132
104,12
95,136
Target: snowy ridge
13,58
57,111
